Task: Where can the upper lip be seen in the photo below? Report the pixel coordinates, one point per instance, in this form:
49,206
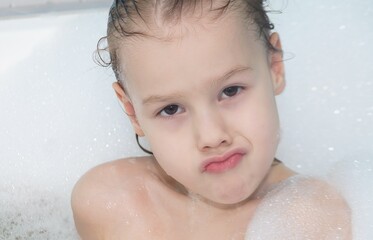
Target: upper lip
221,158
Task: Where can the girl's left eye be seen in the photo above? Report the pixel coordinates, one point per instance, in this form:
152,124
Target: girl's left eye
231,91
170,110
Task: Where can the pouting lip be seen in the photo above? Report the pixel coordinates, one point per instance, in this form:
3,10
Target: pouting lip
221,158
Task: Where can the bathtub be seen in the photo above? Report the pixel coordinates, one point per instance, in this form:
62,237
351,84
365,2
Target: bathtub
59,116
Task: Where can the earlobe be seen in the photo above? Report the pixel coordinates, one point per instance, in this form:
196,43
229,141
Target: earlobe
128,108
277,65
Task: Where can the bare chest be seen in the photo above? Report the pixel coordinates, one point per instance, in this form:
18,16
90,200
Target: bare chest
175,219
174,227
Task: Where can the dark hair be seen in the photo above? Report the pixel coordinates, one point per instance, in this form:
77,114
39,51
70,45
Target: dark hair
125,17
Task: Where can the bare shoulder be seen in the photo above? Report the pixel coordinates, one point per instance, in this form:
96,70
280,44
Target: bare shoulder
108,197
304,208
324,211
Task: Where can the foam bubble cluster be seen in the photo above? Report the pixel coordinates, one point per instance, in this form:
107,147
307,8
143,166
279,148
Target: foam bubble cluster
300,207
27,213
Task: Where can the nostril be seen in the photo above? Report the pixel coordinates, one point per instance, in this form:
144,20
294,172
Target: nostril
210,130
214,143
223,142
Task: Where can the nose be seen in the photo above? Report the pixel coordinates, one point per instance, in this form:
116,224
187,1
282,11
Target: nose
211,130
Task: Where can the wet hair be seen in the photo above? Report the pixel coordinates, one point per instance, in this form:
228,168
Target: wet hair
133,18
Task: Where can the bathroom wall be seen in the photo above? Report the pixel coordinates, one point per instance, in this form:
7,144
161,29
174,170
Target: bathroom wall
22,8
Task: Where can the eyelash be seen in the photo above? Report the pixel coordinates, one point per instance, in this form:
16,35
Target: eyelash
168,115
237,88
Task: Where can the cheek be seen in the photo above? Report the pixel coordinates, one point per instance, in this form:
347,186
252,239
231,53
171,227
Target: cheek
267,129
260,120
172,159
168,148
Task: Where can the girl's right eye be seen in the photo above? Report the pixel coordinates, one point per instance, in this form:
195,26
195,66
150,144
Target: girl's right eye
170,110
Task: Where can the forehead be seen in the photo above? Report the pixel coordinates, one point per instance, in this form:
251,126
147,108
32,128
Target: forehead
195,50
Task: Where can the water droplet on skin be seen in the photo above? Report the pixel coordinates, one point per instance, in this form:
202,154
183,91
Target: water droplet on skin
111,205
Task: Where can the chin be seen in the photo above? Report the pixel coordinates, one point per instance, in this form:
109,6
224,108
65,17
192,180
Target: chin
234,197
231,202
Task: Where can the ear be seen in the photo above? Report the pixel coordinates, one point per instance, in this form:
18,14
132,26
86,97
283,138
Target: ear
277,65
128,108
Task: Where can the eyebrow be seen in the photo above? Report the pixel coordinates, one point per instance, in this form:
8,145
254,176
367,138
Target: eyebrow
229,74
166,98
160,98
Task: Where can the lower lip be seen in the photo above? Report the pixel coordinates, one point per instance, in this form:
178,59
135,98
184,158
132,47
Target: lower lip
219,167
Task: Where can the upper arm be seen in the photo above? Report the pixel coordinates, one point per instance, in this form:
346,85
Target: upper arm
87,205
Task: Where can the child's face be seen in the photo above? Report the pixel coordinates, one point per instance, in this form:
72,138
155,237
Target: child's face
209,92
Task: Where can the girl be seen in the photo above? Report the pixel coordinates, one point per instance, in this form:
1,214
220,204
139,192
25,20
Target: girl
198,79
